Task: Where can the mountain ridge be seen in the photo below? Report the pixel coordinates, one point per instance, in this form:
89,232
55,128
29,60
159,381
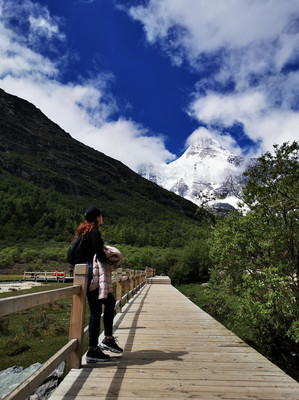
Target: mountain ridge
36,149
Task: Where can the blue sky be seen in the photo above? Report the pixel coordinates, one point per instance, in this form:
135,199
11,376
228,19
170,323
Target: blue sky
142,80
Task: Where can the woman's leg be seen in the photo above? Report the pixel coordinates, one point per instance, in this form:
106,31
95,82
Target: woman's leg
95,308
109,314
94,353
108,342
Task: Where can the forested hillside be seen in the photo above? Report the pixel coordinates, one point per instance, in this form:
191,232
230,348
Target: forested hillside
48,179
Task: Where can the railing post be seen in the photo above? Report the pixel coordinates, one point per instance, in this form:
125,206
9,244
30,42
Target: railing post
139,279
133,282
131,279
78,316
127,284
136,281
119,284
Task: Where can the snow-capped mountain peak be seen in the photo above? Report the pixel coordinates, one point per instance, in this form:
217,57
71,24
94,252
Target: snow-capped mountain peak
201,146
204,167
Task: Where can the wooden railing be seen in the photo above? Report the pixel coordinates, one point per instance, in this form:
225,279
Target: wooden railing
45,276
128,283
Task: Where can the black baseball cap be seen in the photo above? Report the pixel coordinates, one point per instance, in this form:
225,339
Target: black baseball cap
91,213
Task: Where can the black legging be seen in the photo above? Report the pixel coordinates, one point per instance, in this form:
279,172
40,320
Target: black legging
95,308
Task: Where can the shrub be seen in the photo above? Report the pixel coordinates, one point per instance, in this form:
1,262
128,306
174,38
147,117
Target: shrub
9,256
29,255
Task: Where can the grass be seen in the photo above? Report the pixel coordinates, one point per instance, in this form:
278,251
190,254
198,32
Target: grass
9,278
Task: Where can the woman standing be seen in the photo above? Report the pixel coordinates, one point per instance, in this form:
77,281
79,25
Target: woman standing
93,244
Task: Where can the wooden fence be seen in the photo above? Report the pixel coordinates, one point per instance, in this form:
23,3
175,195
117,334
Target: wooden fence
46,276
128,283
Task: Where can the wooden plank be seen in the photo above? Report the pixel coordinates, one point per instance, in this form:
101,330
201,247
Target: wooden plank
265,378
160,386
174,350
173,389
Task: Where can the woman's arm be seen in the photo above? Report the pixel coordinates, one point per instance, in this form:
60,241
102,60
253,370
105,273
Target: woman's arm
97,244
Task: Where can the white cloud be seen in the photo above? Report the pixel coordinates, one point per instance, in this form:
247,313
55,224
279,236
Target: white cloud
227,109
261,122
42,26
82,109
134,145
209,26
275,127
249,43
18,60
31,21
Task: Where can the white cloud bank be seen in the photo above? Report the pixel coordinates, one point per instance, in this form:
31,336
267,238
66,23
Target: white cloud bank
255,46
82,109
244,53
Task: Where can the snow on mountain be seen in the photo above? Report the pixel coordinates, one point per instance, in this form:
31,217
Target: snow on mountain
204,167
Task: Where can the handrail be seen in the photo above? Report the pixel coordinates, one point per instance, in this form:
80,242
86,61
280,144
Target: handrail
13,304
133,281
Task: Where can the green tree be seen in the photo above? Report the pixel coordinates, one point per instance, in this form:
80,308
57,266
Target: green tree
256,255
272,194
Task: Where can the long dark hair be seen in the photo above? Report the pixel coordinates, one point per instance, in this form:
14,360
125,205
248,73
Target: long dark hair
85,228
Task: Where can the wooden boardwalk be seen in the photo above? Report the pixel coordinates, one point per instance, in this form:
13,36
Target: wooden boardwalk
174,350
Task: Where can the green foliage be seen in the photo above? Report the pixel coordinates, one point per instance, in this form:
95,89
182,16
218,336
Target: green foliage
183,263
269,306
29,255
256,256
272,196
204,210
27,211
35,254
9,256
37,225
30,214
178,274
192,263
166,259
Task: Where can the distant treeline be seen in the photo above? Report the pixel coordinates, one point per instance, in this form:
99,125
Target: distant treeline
36,226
